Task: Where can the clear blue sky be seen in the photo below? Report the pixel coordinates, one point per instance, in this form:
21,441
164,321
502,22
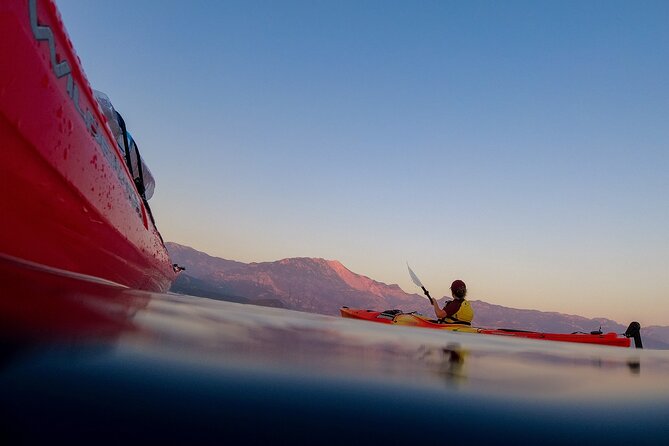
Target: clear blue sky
521,146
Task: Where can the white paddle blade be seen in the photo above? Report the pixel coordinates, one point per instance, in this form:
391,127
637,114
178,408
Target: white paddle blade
414,277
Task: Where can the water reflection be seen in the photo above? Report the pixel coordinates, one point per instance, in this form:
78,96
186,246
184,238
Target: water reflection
447,362
634,366
43,304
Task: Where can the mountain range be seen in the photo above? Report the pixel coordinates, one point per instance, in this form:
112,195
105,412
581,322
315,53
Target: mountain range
323,286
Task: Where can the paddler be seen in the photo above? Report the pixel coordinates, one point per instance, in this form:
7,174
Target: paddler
458,310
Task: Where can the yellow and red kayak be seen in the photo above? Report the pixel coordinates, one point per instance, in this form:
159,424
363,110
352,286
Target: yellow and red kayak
396,317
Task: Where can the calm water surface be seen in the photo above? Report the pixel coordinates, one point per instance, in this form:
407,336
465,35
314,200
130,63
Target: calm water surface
91,362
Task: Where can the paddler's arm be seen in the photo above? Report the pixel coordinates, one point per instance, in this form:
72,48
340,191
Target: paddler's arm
438,311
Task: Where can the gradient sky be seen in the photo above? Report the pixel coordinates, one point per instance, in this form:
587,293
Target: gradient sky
521,146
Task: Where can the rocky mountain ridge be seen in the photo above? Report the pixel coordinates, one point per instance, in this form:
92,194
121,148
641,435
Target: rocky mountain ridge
323,286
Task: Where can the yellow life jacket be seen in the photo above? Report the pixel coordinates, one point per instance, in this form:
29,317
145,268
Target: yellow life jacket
464,314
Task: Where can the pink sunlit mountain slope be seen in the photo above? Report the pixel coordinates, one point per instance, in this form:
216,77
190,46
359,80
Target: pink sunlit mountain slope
323,286
304,284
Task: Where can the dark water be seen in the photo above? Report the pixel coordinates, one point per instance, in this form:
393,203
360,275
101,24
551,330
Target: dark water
90,362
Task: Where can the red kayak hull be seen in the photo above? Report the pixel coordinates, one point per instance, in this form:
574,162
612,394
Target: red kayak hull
415,320
67,200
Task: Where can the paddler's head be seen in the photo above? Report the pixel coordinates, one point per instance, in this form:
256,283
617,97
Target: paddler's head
458,289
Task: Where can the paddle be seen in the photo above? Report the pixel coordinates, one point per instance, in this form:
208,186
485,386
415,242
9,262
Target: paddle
417,281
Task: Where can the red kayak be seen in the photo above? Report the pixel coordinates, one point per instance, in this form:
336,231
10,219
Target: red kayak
74,196
396,317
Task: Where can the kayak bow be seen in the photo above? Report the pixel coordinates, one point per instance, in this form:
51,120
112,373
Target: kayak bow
68,197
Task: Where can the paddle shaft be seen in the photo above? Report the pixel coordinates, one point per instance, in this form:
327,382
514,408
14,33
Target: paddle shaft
427,293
